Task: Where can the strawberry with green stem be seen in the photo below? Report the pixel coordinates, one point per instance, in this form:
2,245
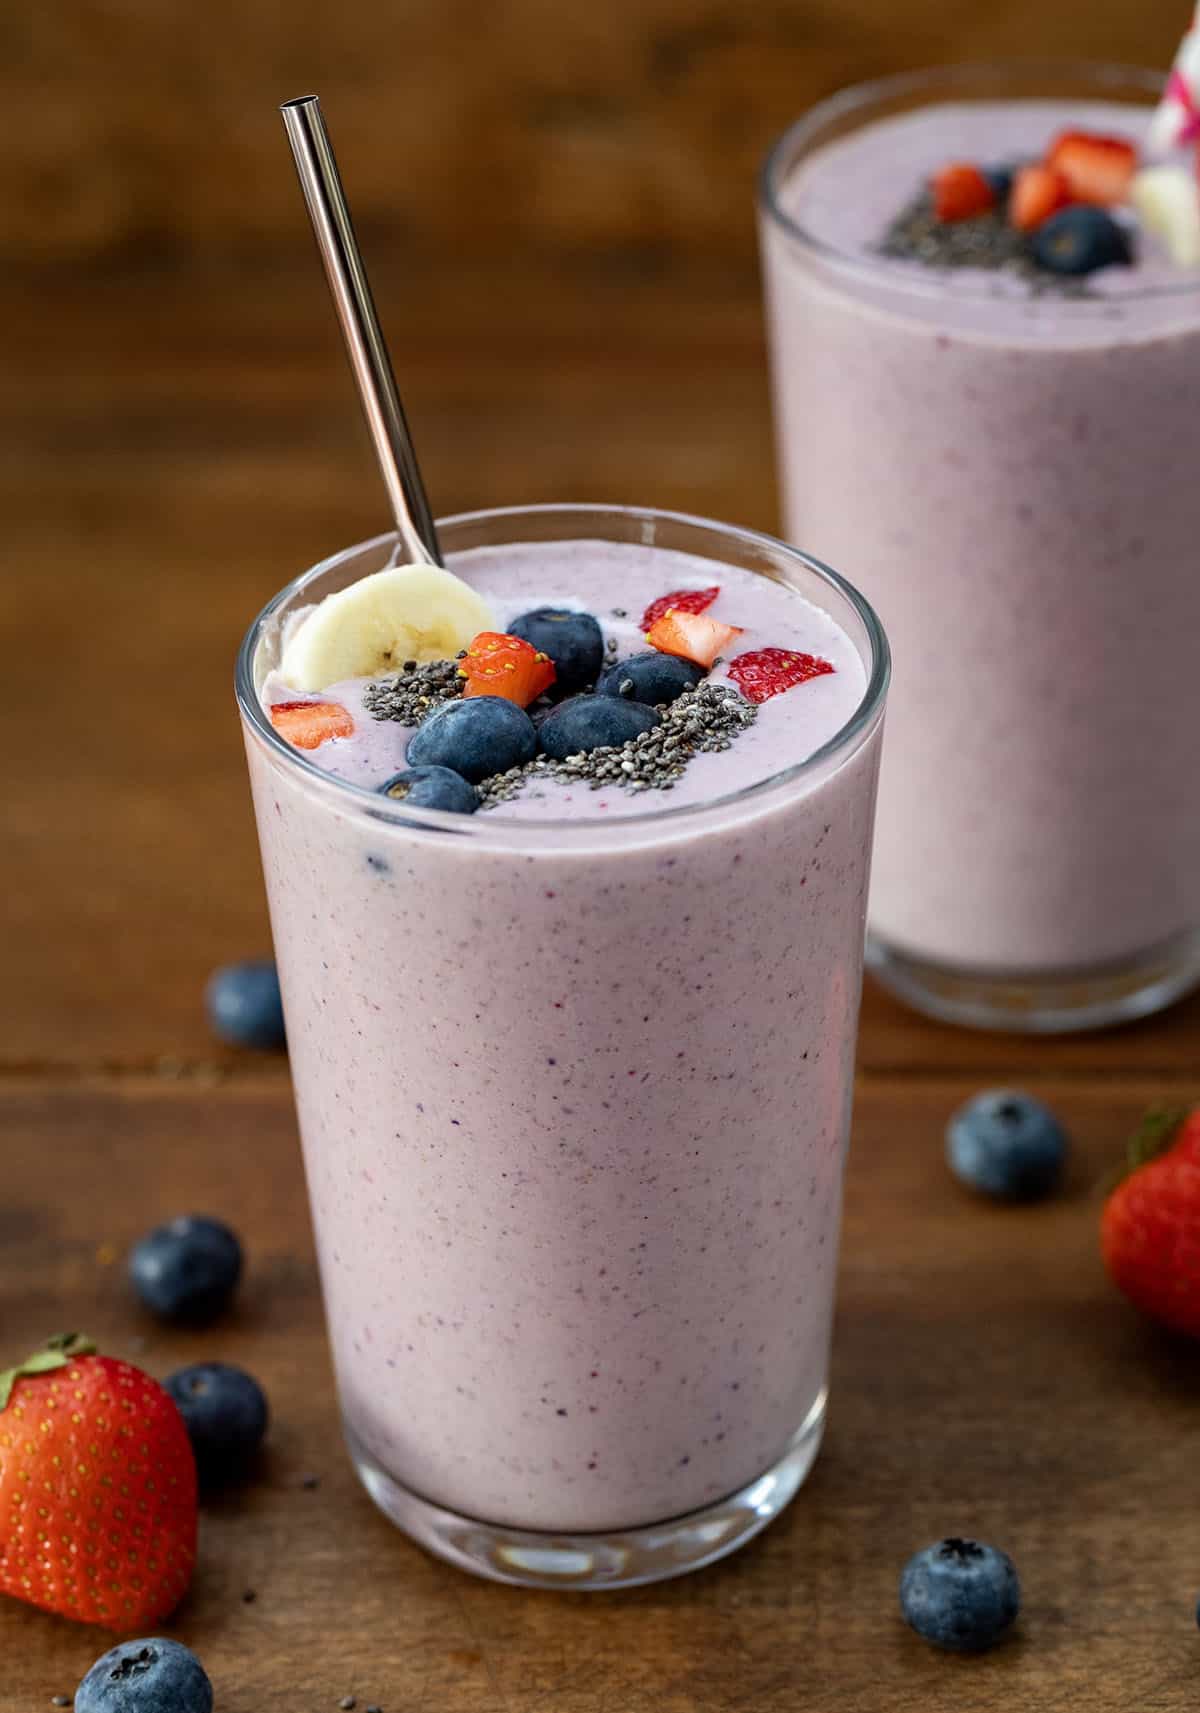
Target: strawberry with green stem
1150,1228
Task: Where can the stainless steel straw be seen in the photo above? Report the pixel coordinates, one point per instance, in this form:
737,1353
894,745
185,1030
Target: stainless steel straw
365,344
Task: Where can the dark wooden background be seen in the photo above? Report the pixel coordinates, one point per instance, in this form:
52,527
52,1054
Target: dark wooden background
556,202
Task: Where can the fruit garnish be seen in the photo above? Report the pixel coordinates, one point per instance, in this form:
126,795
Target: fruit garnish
307,725
1150,1227
508,666
573,640
682,601
476,737
1038,192
586,723
693,636
960,191
372,627
97,1489
1097,169
1080,239
1167,202
766,672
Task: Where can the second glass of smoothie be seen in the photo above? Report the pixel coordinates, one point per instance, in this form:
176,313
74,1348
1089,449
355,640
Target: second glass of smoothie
574,1074
1008,470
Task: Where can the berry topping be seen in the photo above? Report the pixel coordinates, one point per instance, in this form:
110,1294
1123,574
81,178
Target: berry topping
1097,169
97,1489
1038,192
475,736
154,1675
186,1271
433,788
693,636
960,1594
594,722
962,190
682,601
1081,239
225,1413
573,641
1007,1145
308,724
765,672
650,678
1000,176
244,1004
507,666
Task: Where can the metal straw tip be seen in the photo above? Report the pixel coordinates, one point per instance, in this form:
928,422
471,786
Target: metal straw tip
297,101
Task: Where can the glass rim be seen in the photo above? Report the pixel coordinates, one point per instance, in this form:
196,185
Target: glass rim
861,97
500,830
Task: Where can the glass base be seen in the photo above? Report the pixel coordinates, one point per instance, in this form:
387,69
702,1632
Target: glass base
624,1558
1041,1003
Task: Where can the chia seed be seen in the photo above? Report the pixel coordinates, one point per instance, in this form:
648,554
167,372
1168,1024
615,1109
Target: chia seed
410,696
985,241
706,718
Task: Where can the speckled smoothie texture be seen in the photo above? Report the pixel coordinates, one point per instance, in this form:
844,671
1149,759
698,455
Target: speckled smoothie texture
574,1103
1011,481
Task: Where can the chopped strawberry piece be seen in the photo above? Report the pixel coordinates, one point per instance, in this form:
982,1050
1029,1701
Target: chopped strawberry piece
960,190
508,666
692,636
308,724
1038,192
682,601
765,672
1097,169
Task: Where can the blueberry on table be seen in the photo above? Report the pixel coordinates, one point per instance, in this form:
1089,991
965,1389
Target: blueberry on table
476,737
243,1003
1081,239
650,678
960,1594
186,1271
151,1676
225,1413
574,642
1007,1145
594,722
433,788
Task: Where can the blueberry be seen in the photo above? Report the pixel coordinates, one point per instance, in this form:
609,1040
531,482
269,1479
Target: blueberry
594,722
225,1413
152,1676
1081,239
651,678
477,736
1000,176
433,788
1007,1145
960,1594
243,1003
574,642
187,1269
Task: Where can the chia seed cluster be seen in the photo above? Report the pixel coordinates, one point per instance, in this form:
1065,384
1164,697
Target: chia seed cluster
413,693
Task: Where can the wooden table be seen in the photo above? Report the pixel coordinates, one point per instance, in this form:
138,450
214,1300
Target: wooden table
172,453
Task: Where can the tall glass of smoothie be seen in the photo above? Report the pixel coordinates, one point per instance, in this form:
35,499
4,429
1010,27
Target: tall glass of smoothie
574,1070
1003,456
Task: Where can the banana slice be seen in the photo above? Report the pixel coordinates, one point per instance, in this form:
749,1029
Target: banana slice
1167,199
411,612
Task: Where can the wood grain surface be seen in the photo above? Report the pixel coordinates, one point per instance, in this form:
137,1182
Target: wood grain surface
556,204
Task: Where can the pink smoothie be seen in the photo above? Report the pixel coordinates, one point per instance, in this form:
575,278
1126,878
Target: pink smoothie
1011,479
574,1096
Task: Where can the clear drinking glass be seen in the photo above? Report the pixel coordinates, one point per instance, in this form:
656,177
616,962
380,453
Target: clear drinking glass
574,1101
1011,479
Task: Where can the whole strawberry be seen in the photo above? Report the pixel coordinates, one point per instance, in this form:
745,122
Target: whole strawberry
97,1489
1150,1229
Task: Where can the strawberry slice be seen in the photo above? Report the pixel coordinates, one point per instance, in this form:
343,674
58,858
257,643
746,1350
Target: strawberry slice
1097,169
682,601
308,724
1038,192
960,191
508,666
765,672
692,636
